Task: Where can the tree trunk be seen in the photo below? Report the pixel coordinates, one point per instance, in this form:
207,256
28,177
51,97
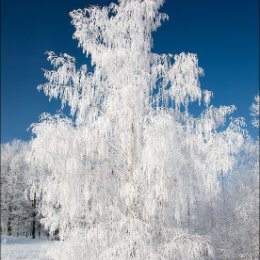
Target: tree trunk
39,230
33,217
9,222
130,157
226,223
211,212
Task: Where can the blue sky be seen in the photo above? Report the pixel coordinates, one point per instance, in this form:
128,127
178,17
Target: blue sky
224,34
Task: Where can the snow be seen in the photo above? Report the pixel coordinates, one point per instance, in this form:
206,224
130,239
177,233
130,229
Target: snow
13,248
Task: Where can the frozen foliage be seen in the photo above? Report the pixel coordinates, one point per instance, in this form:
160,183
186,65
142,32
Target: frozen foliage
236,230
18,205
121,177
255,112
15,205
12,187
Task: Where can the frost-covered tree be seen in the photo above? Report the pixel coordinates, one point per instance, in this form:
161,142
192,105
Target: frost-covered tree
236,211
122,174
13,167
18,207
19,213
255,112
235,234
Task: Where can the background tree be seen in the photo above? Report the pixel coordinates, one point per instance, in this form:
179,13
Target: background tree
235,235
18,210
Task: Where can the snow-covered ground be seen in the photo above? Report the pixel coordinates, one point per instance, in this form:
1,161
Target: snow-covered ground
13,248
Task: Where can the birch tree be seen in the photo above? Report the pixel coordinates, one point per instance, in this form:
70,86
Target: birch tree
124,172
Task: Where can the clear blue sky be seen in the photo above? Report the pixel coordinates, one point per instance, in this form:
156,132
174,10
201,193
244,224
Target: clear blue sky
224,34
